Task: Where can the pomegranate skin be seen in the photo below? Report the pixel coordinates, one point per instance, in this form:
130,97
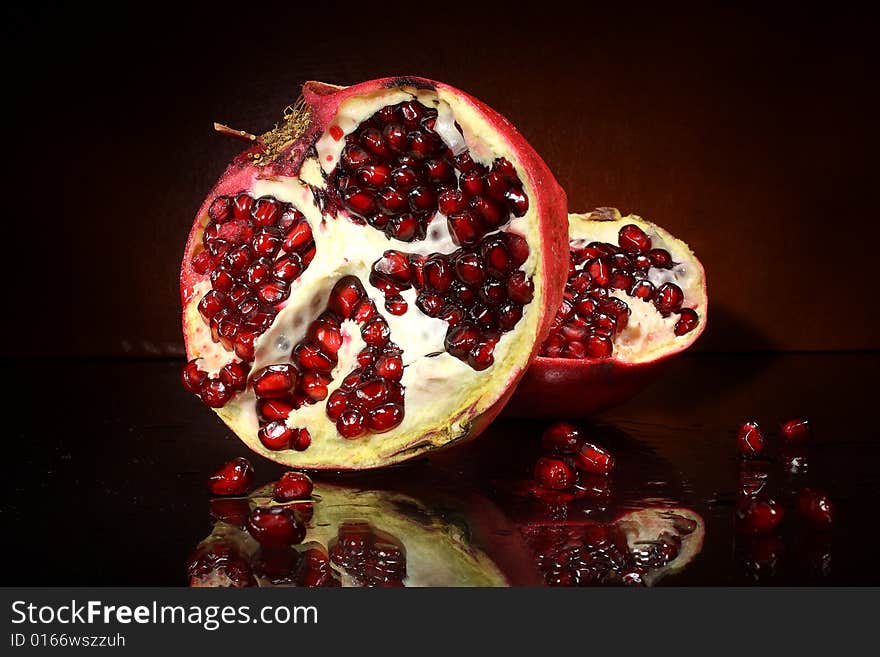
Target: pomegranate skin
320,105
573,388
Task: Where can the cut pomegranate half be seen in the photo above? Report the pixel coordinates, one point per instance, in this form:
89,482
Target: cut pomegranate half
356,537
370,280
635,297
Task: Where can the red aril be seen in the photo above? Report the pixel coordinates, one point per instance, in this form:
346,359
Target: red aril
233,478
561,438
749,439
370,279
276,527
635,297
292,486
795,431
592,459
816,508
554,473
758,515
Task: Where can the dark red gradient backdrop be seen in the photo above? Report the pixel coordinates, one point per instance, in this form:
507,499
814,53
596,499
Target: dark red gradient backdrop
751,134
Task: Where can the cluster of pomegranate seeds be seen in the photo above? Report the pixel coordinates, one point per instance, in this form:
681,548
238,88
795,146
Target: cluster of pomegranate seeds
233,478
253,249
479,292
276,527
599,554
292,486
370,556
590,318
215,391
395,172
224,558
571,468
370,398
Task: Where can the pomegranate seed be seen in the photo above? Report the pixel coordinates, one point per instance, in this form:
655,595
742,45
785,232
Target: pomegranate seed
347,292
215,393
241,207
310,357
599,346
437,273
461,339
622,280
266,211
363,311
203,262
519,288
314,385
359,201
396,305
391,200
234,375
517,202
593,459
469,269
554,473
275,409
374,175
389,366
687,322
795,431
491,213
276,435
274,381
816,508
518,249
643,290
351,423
212,303
220,209
633,237
385,417
193,378
481,356
508,316
668,298
395,136
301,440
405,227
353,157
599,271
561,438
749,439
660,258
421,199
464,228
758,515
450,201
336,403
376,333
298,237
276,527
233,478
373,141
267,242
292,486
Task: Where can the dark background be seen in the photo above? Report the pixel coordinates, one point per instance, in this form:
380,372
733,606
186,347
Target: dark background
749,133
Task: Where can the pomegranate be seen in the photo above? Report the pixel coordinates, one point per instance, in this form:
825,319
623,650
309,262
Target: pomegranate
360,537
369,280
638,548
635,297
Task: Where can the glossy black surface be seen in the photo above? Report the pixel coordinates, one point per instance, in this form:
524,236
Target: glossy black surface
105,462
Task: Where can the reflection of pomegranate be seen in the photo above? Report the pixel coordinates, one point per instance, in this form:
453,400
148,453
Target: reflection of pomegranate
369,280
357,537
635,297
638,548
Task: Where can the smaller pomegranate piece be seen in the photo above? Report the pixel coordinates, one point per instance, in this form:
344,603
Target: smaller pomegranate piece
749,439
758,515
561,438
795,431
815,507
233,478
592,459
292,486
276,527
554,473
